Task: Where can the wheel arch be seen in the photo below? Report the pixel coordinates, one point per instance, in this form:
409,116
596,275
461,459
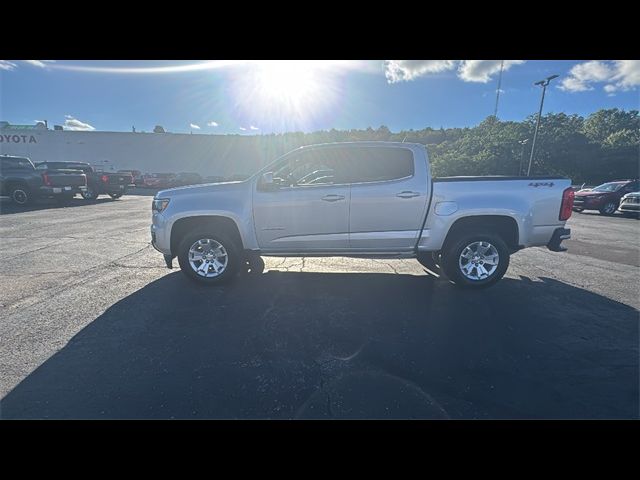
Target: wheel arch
184,225
503,225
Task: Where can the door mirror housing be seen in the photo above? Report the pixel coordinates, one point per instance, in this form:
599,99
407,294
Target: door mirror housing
267,183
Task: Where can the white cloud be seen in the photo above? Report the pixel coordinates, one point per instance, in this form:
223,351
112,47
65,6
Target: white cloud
74,124
404,70
582,75
618,75
254,128
482,70
194,126
467,70
243,129
7,65
38,63
212,124
628,74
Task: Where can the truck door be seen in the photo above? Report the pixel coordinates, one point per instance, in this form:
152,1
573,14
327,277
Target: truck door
307,210
389,192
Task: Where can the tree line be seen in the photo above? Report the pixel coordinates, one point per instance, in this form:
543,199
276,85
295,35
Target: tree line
603,146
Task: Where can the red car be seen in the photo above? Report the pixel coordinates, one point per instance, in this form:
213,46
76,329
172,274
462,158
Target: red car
159,180
605,198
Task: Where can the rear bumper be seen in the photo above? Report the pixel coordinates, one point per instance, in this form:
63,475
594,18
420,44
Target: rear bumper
114,188
559,234
50,191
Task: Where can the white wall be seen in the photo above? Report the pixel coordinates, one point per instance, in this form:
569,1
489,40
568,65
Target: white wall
150,152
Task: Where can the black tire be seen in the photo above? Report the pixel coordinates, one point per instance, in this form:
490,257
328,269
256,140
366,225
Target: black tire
430,261
609,209
453,251
90,193
115,196
20,194
234,259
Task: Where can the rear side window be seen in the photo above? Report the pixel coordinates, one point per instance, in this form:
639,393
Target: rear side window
16,163
376,164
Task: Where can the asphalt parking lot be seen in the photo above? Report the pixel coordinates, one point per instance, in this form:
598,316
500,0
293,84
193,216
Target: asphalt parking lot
92,325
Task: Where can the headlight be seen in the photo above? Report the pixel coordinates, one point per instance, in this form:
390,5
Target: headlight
159,204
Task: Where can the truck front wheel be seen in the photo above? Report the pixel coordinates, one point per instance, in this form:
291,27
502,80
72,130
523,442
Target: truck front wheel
208,258
476,260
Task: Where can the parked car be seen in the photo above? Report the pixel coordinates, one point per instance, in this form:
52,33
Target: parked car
98,183
187,178
136,174
371,199
605,198
630,205
159,180
20,181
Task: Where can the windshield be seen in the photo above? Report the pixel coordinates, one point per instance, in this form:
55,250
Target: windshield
608,187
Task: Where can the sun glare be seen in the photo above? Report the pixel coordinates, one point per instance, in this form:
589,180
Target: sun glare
284,94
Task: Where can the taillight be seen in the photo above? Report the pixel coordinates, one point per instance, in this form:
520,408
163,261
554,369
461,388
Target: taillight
85,179
567,204
105,178
46,179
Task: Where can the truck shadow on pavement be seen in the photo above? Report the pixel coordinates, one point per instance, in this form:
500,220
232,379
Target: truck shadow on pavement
344,345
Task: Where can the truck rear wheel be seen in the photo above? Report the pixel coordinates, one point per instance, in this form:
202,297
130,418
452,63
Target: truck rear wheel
476,260
20,194
208,258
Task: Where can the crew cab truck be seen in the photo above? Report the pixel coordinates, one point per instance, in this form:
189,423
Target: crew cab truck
113,184
22,182
360,199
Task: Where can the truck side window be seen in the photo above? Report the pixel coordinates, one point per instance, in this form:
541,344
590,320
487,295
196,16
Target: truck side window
315,167
377,164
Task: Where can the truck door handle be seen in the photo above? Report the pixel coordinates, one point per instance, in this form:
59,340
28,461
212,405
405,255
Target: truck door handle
407,194
332,198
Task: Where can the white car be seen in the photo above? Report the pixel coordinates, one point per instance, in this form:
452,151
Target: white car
366,199
630,204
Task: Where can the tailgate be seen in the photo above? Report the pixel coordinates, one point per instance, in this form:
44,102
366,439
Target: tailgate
66,178
118,178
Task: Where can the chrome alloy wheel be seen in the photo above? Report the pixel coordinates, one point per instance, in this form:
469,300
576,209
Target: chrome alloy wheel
610,208
208,258
478,260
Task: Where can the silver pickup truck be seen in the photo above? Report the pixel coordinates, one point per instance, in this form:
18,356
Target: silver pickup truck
360,199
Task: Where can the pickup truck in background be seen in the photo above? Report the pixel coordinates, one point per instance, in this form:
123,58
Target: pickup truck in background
361,199
113,184
22,182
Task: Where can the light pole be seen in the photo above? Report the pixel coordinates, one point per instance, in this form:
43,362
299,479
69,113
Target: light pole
543,83
523,143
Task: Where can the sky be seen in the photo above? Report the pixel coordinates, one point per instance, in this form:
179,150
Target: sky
261,97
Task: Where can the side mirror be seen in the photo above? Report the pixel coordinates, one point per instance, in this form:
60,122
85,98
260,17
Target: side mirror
267,183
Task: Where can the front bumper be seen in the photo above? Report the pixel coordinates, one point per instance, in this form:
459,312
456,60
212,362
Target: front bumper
559,234
629,207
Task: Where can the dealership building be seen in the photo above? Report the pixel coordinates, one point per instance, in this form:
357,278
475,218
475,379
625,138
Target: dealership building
223,155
